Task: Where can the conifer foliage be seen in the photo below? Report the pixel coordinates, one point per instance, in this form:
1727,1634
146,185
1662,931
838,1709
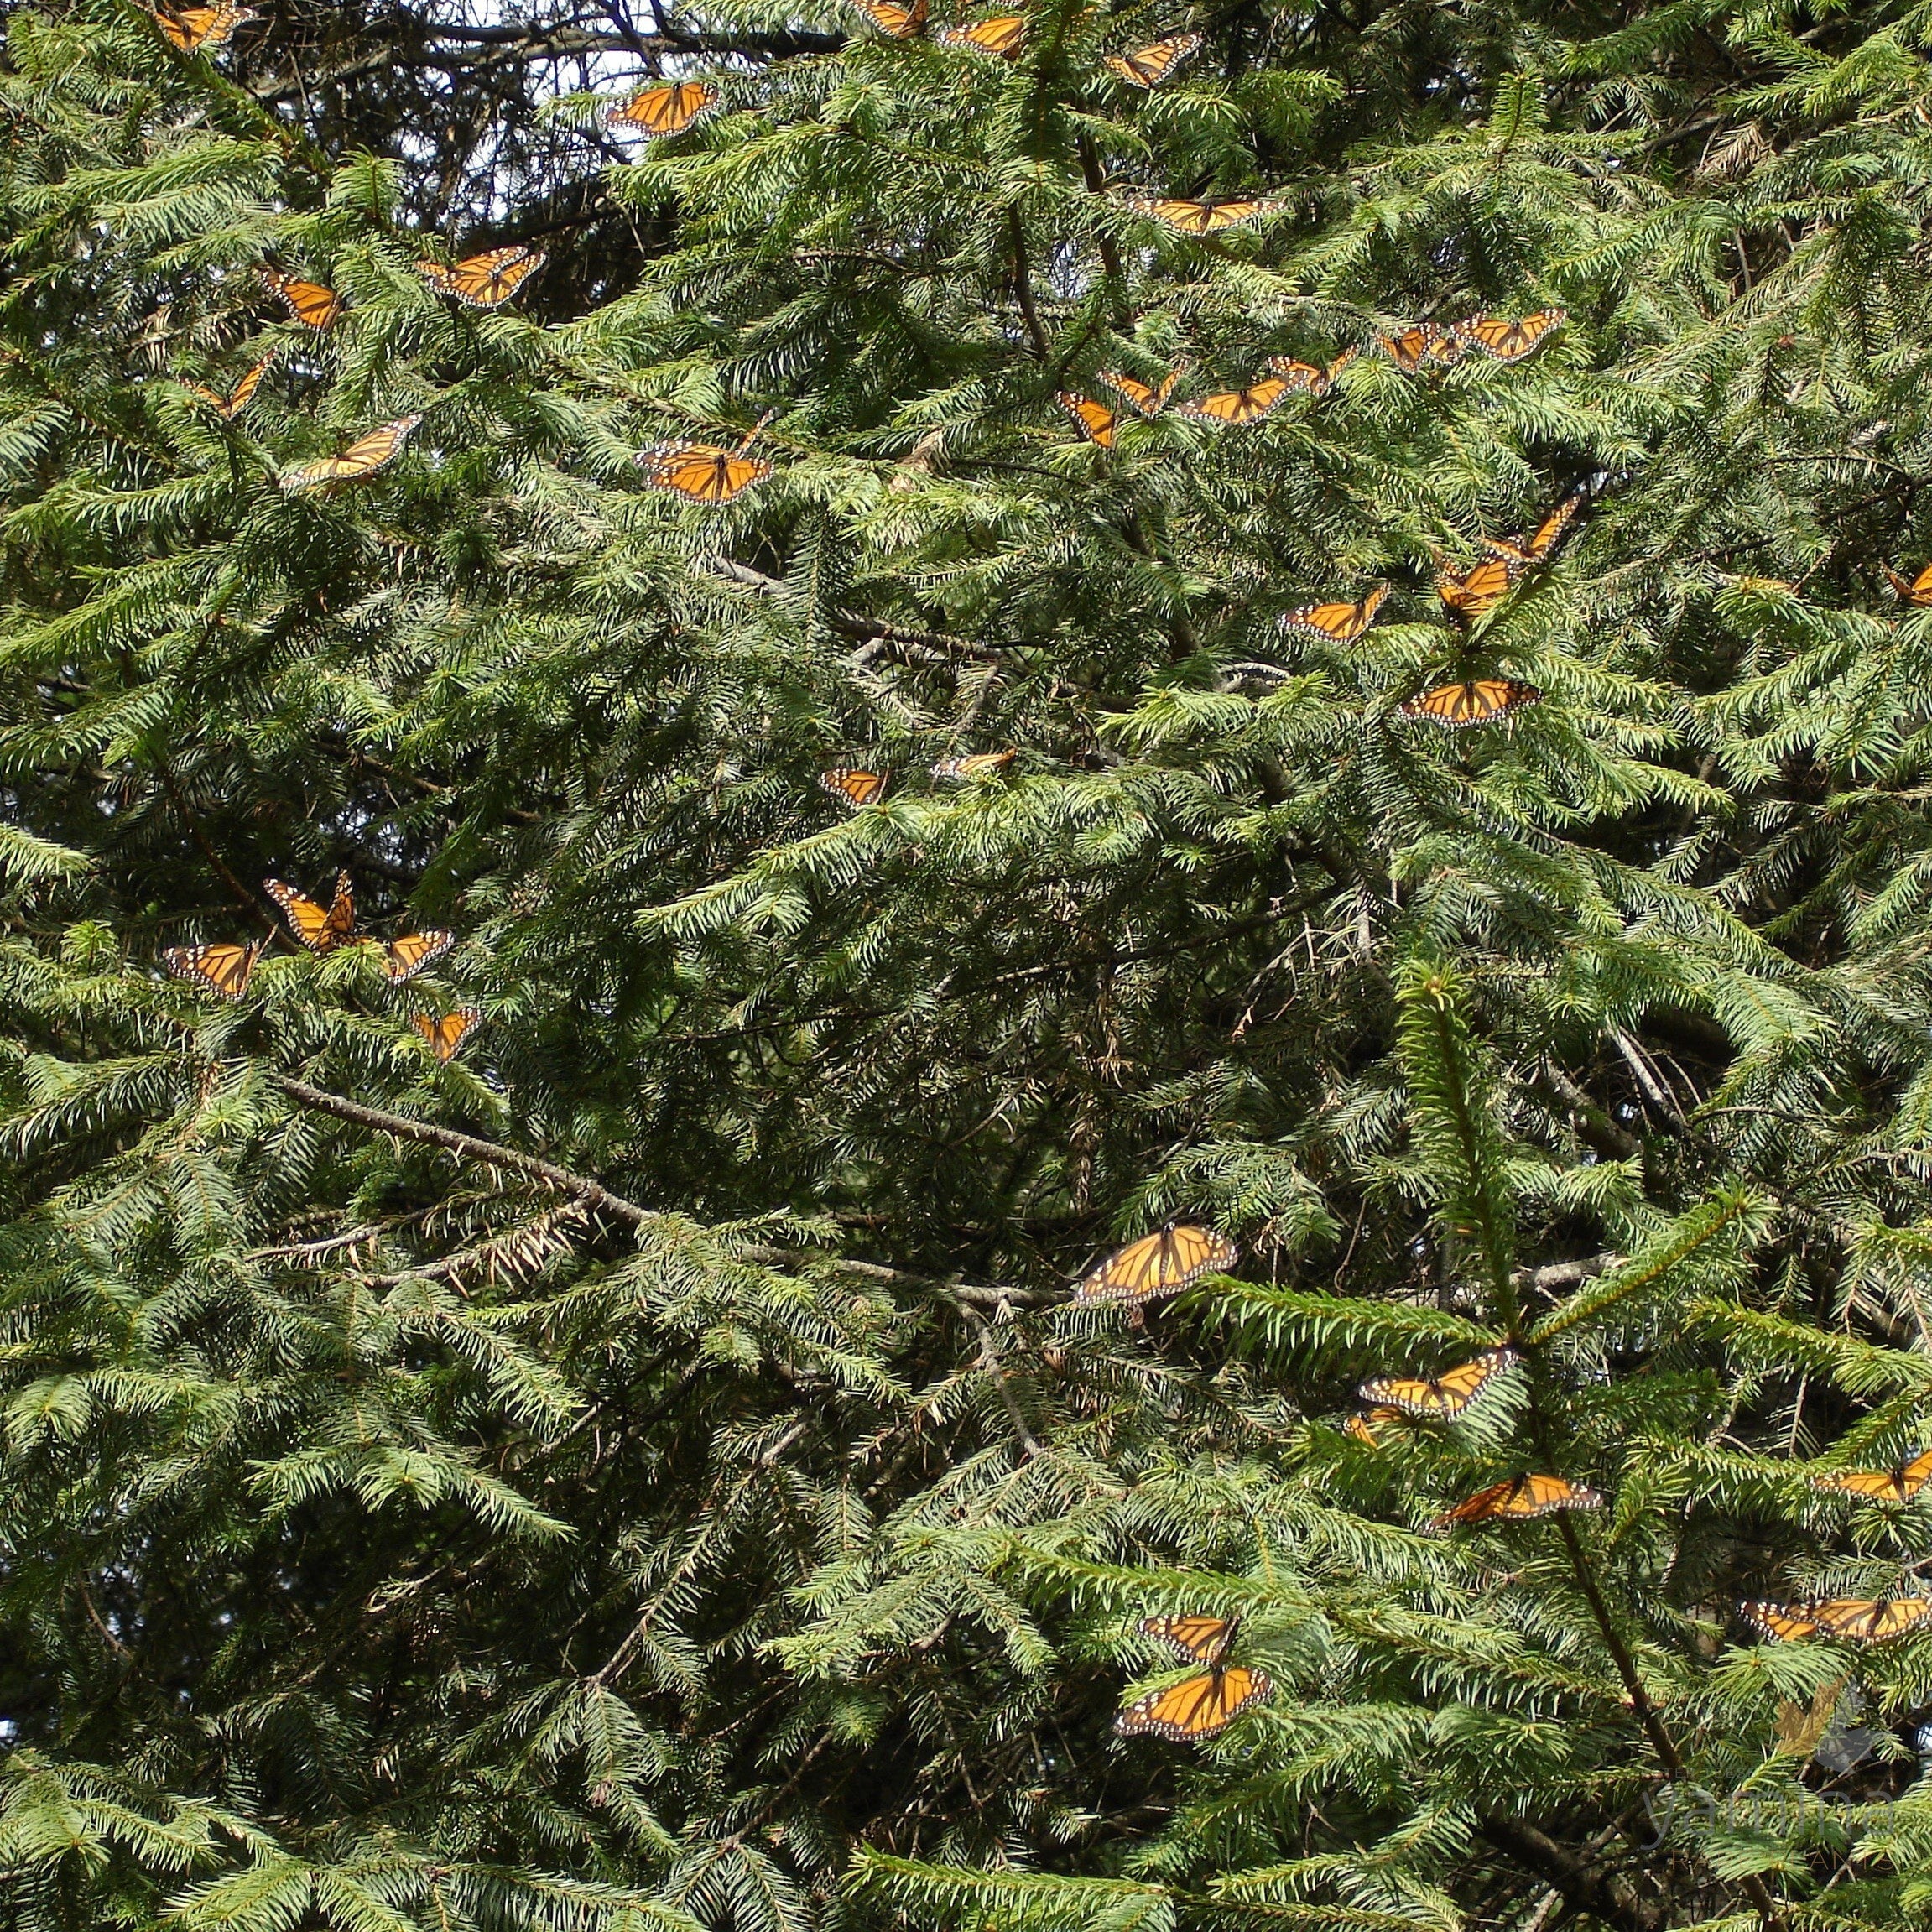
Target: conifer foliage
965,969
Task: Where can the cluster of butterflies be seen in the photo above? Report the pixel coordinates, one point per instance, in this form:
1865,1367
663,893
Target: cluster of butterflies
1410,349
713,474
1201,1705
1855,1619
697,471
224,967
1166,1262
484,281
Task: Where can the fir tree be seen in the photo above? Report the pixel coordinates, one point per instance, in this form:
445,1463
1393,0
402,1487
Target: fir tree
645,1469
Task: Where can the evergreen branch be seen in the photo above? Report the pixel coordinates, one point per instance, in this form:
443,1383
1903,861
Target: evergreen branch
1456,1129
990,1361
1587,1888
1687,1235
593,1194
1023,286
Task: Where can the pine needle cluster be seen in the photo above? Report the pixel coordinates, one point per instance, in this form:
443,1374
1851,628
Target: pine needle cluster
643,1467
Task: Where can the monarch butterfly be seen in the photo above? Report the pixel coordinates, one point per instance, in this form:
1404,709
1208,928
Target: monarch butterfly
1850,1619
1197,1639
1158,1264
194,29
1535,547
1441,1397
1201,218
1361,1428
308,303
404,957
1483,588
856,788
660,112
1516,1500
485,281
1421,342
703,473
1095,421
223,969
1899,1484
1310,377
902,22
1143,400
1481,702
321,932
445,1035
1004,35
1240,407
362,458
1197,1706
227,408
1339,623
1510,341
973,763
1148,66
1918,590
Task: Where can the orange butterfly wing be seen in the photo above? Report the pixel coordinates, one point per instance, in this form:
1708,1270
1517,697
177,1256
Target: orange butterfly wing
1848,1619
1483,588
319,931
1510,341
1897,1485
445,1035
1195,1639
1481,701
485,281
1158,1264
1911,590
700,473
230,407
1095,421
902,22
1523,551
194,29
1785,1621
1879,1623
1299,376
1004,35
1519,1500
223,969
412,953
1196,1707
1421,342
856,787
1338,623
660,112
1441,1397
1237,407
1201,218
1144,401
308,303
1362,1428
1534,1496
973,763
362,458
1148,66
